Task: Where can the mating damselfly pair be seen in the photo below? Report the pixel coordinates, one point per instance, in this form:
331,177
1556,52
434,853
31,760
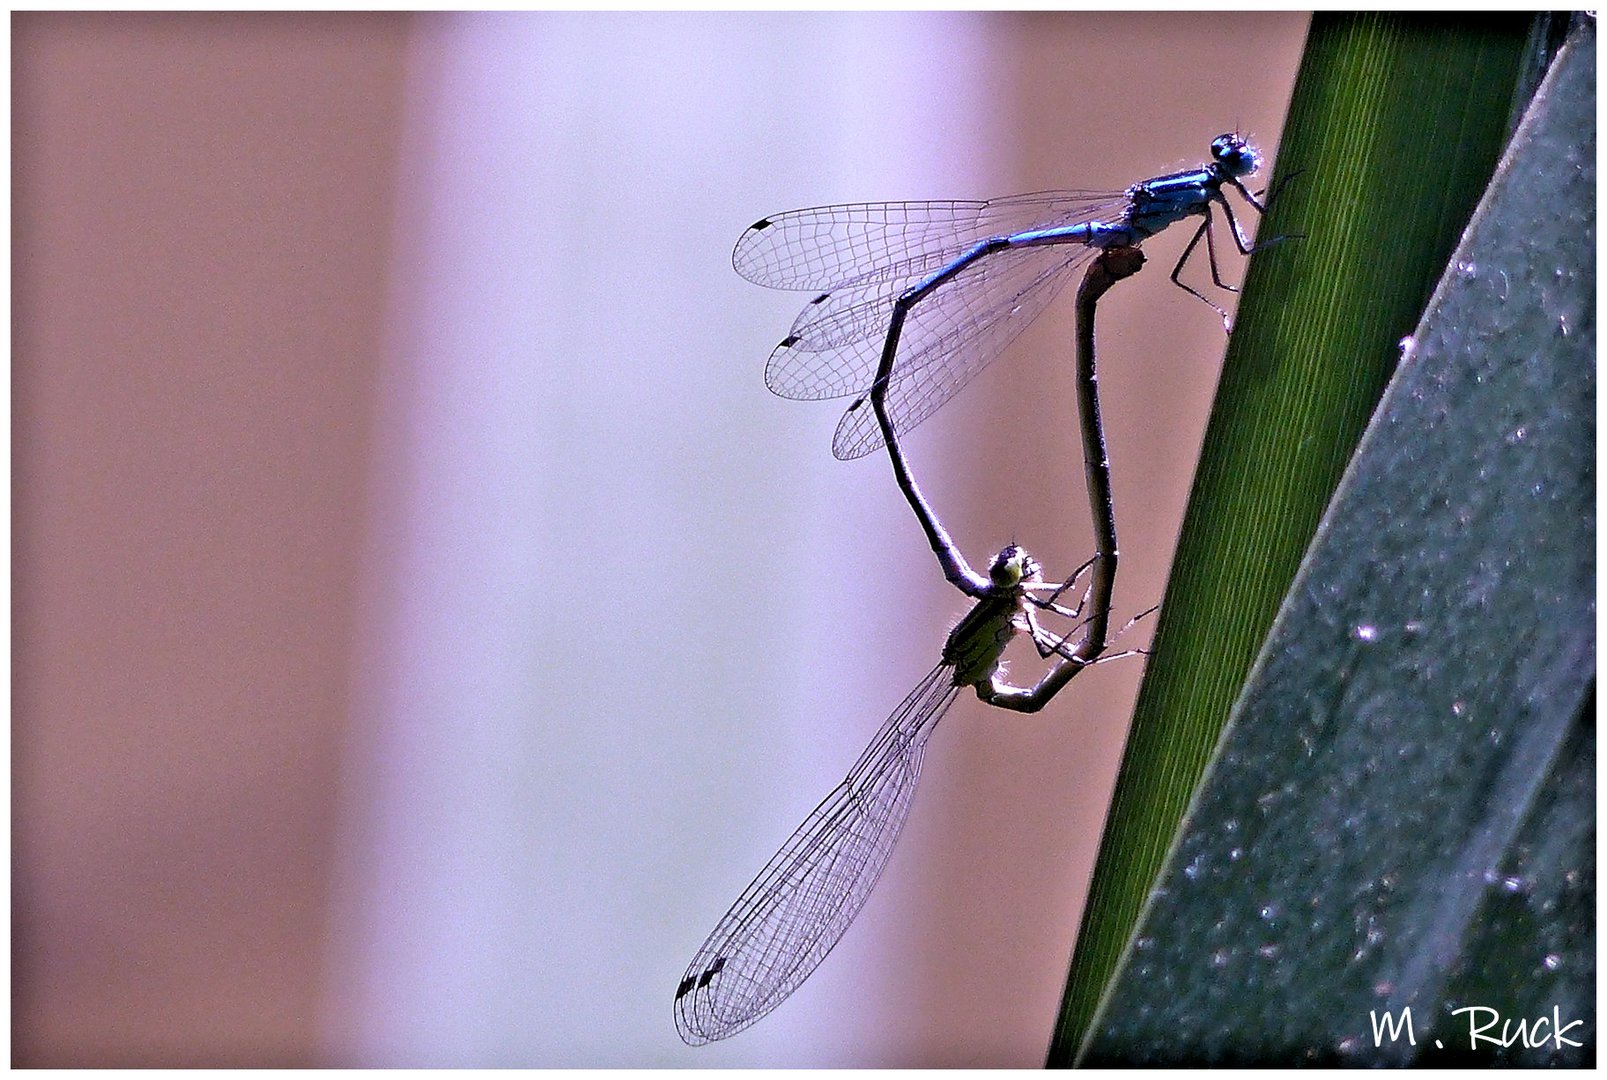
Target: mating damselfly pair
912,300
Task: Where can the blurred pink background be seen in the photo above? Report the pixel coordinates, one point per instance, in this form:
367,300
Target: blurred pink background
425,620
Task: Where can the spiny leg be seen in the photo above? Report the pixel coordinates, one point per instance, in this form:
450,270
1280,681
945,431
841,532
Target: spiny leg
1182,260
1246,248
1137,651
1048,644
1210,257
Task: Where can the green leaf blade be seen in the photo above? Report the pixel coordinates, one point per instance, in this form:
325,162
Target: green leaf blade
1396,124
1401,815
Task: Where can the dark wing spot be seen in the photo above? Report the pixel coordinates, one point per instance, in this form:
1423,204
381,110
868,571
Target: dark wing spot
821,299
762,223
708,976
788,342
857,403
686,985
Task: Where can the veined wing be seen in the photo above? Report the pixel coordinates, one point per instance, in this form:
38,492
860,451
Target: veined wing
796,910
824,247
836,342
948,338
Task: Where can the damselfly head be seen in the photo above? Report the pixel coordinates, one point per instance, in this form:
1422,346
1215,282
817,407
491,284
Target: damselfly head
1235,155
1011,566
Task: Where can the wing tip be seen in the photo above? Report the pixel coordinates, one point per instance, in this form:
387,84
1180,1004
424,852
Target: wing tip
855,437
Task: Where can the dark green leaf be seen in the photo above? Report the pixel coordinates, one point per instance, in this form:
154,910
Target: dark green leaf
1395,127
1401,813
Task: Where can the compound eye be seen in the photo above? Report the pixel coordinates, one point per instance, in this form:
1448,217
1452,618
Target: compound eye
1006,570
1222,146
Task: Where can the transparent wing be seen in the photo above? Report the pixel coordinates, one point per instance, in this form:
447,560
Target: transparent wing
825,246
950,336
836,343
796,910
